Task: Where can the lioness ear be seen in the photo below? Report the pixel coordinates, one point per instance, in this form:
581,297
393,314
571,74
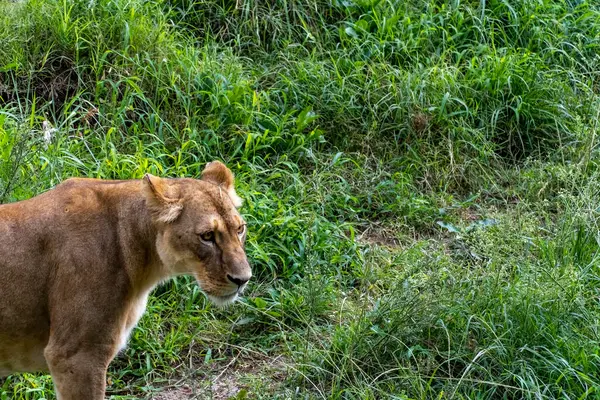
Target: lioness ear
164,205
218,174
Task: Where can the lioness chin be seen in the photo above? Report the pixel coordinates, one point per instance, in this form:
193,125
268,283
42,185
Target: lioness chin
77,264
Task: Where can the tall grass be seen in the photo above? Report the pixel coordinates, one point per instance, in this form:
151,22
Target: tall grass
420,184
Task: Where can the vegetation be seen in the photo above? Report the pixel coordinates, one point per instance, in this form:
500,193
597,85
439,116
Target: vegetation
420,181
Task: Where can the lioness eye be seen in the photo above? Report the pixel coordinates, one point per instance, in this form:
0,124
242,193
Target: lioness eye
208,236
241,230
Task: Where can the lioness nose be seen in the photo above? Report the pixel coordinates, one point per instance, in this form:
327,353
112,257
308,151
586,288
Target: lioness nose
238,281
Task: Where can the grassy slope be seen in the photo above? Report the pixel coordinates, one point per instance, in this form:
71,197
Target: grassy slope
420,182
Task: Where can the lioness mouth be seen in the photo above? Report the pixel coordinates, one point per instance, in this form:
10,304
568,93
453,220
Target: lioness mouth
223,300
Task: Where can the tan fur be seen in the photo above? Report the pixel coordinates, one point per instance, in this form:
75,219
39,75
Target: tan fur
78,262
221,176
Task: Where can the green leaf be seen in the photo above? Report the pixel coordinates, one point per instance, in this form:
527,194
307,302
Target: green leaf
305,117
351,32
448,226
241,395
260,303
362,25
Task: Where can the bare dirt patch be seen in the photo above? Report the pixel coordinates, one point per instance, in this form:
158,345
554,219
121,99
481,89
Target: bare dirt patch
226,381
175,394
379,235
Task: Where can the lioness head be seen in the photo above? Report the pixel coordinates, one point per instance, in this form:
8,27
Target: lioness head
200,231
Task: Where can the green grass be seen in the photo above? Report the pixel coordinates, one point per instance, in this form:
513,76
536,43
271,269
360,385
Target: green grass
420,182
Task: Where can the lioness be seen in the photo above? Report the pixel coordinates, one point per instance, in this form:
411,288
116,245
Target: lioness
77,264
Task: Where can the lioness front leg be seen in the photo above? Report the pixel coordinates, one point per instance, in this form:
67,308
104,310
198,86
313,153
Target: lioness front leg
81,373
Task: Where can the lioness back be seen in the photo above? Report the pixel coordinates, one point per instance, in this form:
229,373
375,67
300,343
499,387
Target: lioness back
66,226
